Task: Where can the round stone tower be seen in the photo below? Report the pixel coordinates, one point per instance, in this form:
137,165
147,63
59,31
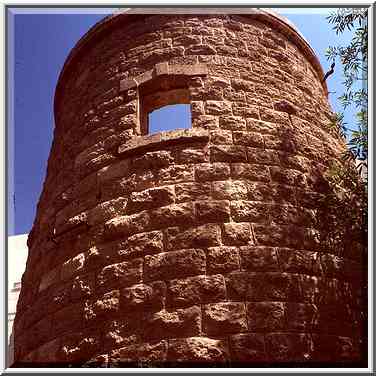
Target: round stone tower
197,246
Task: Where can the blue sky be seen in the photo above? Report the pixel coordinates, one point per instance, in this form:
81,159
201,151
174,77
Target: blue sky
38,46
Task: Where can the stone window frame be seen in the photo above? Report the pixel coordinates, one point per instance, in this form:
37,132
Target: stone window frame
161,86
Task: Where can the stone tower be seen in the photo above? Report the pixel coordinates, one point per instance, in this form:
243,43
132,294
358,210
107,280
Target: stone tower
197,246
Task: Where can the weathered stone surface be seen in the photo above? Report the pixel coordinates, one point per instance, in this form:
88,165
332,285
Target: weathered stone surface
198,246
192,191
266,316
230,190
222,259
200,289
143,296
143,244
222,318
262,286
212,171
248,347
254,212
121,274
201,236
122,331
198,349
250,172
288,347
167,324
237,233
107,305
151,198
127,225
228,153
172,215
139,354
212,211
173,264
259,258
78,347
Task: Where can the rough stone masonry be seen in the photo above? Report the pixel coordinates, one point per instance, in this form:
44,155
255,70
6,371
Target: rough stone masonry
198,246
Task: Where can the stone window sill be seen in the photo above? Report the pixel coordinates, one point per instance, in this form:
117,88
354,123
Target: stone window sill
148,142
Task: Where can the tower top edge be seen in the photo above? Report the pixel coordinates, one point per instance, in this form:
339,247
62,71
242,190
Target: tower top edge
273,19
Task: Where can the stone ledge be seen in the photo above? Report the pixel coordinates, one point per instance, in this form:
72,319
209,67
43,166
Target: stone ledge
161,69
142,143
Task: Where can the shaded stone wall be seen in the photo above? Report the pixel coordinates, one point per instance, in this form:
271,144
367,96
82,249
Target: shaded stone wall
195,245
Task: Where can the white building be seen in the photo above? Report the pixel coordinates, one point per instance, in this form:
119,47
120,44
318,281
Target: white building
17,256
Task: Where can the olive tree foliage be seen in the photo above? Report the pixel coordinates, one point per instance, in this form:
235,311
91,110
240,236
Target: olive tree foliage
345,200
354,59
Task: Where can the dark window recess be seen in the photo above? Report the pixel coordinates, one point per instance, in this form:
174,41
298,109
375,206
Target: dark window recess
170,117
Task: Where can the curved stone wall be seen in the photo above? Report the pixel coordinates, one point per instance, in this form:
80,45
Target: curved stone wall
199,245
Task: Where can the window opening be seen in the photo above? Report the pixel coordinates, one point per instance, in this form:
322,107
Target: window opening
164,105
170,117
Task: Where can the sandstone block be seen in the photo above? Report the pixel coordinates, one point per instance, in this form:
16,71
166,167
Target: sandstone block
152,160
82,286
175,174
144,243
107,210
249,211
172,215
263,157
230,190
192,156
259,258
299,261
248,139
121,274
212,211
70,317
50,278
72,266
221,318
139,354
78,347
282,236
244,85
169,324
222,259
212,171
201,236
198,350
236,233
301,317
217,108
103,307
151,198
233,123
205,121
116,170
261,286
221,137
127,225
121,332
192,191
272,116
143,296
266,316
228,153
202,49
193,290
187,40
175,264
245,110
248,347
287,347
